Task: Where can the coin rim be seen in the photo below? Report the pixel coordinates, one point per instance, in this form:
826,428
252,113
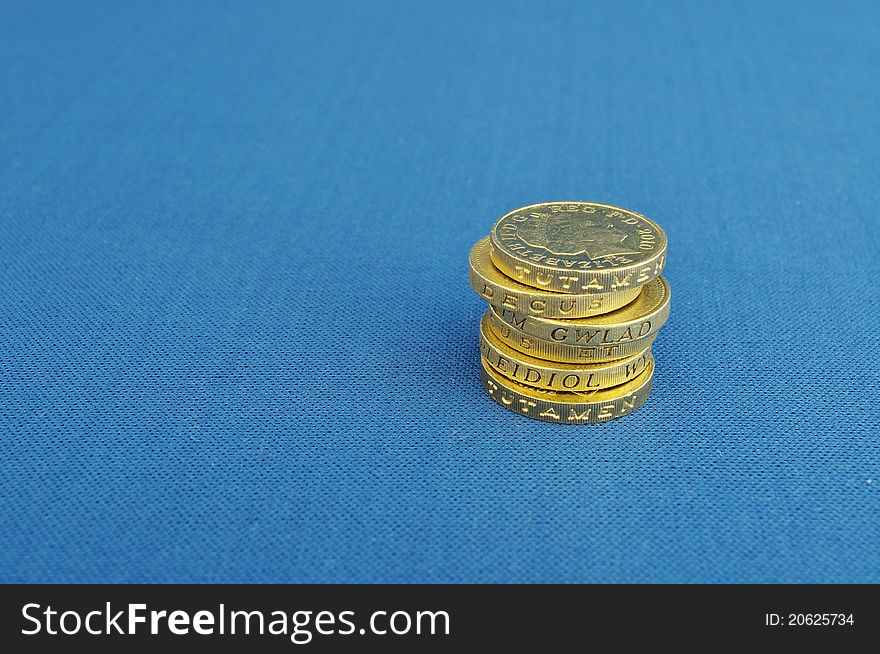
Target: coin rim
543,327
563,357
565,400
609,373
611,301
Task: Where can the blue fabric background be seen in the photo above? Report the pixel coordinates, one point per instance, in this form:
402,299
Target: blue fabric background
238,343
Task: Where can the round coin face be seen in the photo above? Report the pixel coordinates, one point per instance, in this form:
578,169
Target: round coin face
637,320
578,247
496,287
551,375
568,408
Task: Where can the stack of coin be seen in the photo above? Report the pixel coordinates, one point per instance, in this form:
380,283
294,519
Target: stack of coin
575,302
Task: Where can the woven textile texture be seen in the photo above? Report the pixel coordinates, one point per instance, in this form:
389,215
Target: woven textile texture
239,345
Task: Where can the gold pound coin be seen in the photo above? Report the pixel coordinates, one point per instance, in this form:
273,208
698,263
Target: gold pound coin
567,408
639,319
578,247
497,288
565,377
560,352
